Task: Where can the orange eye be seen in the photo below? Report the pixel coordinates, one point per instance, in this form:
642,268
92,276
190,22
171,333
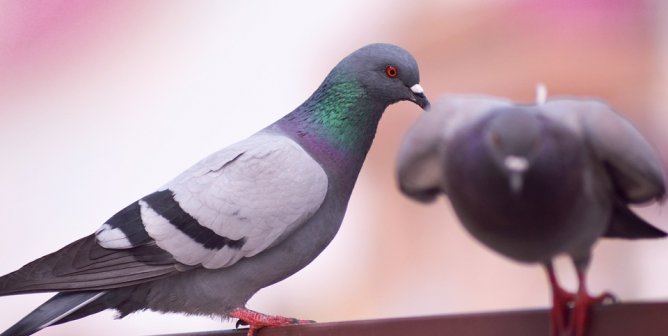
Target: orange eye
391,71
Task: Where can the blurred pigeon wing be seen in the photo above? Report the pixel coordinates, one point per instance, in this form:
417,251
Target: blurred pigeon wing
624,223
237,202
632,164
423,149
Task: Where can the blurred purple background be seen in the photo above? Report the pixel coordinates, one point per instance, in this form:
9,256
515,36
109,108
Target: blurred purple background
102,102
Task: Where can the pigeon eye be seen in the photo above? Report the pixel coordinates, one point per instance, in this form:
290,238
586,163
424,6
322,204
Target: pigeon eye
391,71
496,139
535,144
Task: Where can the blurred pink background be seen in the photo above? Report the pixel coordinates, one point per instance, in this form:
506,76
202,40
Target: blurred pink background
103,102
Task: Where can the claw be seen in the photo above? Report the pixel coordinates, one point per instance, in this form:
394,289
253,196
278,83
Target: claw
606,299
240,323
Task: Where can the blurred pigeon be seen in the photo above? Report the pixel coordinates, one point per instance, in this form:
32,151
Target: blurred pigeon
243,218
535,181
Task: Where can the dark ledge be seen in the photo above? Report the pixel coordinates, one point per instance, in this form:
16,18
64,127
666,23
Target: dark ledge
624,319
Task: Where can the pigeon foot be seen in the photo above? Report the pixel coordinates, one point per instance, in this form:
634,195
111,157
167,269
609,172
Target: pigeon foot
562,303
583,304
257,321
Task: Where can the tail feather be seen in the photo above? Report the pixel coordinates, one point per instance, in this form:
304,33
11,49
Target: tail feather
624,223
51,312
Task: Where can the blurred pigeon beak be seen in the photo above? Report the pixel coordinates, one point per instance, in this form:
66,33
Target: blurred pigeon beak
419,96
516,182
516,166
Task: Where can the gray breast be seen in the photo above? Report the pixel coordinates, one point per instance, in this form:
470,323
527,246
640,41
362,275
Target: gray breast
544,219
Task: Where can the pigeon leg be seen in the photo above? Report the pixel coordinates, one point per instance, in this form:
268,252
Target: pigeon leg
256,321
583,304
562,301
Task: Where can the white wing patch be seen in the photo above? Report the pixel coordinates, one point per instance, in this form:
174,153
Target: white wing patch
259,190
112,238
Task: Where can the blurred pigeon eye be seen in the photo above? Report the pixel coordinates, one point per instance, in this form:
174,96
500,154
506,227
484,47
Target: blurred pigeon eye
391,71
535,144
496,139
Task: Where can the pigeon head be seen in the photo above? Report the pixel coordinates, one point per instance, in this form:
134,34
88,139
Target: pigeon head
387,73
513,140
337,123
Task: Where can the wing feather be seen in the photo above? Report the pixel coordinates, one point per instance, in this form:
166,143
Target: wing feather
633,165
253,193
85,265
233,204
423,149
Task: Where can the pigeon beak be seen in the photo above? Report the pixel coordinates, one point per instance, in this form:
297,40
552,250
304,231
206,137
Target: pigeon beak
419,96
516,166
516,181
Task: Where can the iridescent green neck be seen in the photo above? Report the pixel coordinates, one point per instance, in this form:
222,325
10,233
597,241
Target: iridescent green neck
334,113
337,122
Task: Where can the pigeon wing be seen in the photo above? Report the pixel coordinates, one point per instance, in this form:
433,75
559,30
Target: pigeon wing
235,203
631,162
85,265
632,166
423,150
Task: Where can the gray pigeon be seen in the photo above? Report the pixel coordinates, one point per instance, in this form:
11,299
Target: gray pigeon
244,218
536,181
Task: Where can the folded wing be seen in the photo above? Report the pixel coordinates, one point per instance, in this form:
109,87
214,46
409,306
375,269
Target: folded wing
235,203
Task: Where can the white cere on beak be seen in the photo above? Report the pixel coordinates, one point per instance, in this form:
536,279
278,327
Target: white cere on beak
516,164
541,94
417,89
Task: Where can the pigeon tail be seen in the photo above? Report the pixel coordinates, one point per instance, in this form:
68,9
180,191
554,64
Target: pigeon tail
626,224
54,311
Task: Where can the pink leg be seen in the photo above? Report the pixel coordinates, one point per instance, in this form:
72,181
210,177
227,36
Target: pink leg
258,321
562,301
583,304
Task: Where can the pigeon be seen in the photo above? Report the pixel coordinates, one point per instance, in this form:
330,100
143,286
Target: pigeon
239,220
536,181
